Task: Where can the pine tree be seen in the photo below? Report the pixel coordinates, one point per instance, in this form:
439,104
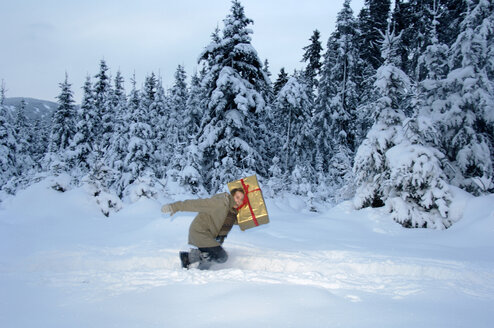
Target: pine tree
178,135
390,165
454,12
81,155
230,135
120,146
178,102
116,152
312,56
281,80
190,175
24,161
40,134
430,94
102,103
372,21
62,130
265,68
195,106
162,157
151,112
467,127
335,110
7,141
140,147
118,104
293,115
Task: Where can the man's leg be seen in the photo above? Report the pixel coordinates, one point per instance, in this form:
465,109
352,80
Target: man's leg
211,254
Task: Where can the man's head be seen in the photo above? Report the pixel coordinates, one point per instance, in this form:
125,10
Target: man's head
238,196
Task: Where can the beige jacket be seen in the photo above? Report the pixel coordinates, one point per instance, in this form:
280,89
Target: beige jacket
212,214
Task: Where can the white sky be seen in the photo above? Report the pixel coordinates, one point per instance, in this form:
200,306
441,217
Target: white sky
43,39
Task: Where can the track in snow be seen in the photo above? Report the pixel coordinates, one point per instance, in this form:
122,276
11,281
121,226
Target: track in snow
103,271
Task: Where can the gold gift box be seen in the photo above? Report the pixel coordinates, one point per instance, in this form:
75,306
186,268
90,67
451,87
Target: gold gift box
253,203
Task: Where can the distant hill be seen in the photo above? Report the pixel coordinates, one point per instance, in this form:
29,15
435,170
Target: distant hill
35,108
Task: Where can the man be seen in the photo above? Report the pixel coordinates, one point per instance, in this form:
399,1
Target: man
208,230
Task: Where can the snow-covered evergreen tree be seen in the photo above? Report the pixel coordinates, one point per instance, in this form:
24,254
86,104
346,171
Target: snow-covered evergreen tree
40,136
312,56
468,118
7,142
116,151
231,136
179,135
393,168
430,94
335,115
281,80
81,155
160,126
62,130
195,106
118,102
24,160
373,19
102,91
121,142
191,175
140,147
292,112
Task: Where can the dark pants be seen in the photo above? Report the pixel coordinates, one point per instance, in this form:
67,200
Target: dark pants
212,254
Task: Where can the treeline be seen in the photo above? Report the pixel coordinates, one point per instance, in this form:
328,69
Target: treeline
393,111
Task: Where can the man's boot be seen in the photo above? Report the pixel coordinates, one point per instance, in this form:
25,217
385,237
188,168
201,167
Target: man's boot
205,262
187,258
184,258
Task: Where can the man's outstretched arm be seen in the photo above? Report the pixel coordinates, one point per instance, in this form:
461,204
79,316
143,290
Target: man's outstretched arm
194,205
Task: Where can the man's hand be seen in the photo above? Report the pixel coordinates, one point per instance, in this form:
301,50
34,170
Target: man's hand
167,208
220,239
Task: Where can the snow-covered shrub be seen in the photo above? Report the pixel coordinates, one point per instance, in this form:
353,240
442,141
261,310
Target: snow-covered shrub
145,185
418,194
60,182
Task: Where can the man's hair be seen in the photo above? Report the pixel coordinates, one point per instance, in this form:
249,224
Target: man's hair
234,190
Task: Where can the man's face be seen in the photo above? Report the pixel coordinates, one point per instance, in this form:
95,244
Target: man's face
239,198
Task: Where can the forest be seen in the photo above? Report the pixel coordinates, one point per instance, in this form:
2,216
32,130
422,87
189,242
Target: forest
394,109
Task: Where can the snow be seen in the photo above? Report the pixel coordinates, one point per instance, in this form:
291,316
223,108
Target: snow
64,264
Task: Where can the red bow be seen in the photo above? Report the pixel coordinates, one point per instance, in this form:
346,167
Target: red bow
246,200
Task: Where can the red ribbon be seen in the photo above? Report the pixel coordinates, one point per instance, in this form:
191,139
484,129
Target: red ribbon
246,200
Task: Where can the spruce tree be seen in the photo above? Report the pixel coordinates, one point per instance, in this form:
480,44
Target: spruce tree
62,129
372,21
281,80
140,148
117,147
161,106
391,166
102,103
40,134
230,135
467,127
178,134
195,106
312,56
24,161
335,110
292,112
7,142
81,155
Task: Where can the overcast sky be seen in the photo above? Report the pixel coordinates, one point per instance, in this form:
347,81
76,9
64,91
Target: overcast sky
43,39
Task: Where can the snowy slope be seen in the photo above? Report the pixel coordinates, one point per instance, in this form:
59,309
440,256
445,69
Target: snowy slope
35,108
63,264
